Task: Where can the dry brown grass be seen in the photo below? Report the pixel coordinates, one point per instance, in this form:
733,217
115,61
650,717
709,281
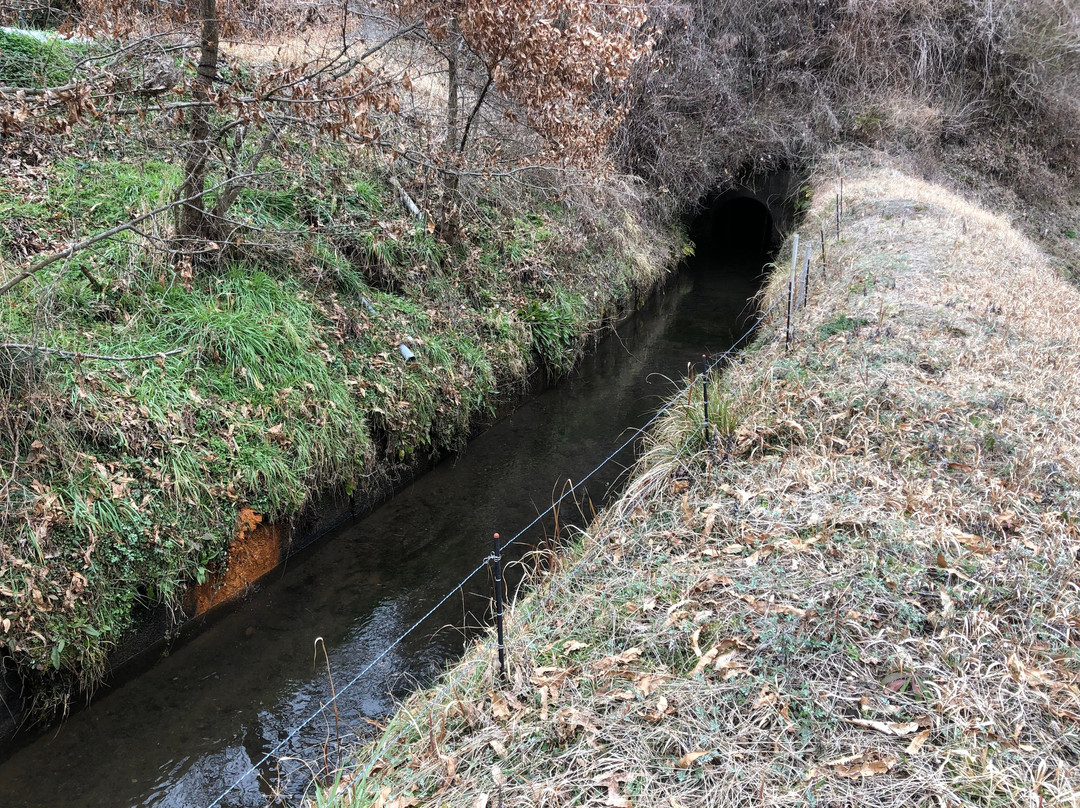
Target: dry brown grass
866,596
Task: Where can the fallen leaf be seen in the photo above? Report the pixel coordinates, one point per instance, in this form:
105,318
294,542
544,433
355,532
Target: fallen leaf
687,510
865,764
498,706
901,682
694,638
1027,675
899,730
948,609
646,683
549,676
710,521
569,720
705,661
711,581
765,698
687,760
917,742
619,660
570,646
729,665
977,544
766,608
662,710
612,780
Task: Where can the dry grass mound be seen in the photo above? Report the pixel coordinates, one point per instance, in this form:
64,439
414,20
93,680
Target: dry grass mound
864,594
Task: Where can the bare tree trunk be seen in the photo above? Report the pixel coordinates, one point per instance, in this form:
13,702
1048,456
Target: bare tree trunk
231,192
448,218
453,91
193,223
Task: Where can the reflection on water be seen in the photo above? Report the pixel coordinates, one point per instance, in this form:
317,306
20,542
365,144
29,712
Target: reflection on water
178,734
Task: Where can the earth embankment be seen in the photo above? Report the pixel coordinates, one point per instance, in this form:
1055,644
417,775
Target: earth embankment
863,591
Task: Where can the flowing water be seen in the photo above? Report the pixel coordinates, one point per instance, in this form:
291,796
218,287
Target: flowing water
180,733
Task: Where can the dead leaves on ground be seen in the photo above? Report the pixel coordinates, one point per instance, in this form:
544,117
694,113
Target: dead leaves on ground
723,658
1062,690
860,765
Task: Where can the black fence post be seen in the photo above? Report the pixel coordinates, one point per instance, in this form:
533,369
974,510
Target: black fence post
823,252
806,278
791,287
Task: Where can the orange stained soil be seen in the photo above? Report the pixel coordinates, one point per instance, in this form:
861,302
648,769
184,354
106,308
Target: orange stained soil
254,552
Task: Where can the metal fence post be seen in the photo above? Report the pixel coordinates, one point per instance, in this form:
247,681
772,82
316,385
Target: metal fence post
791,287
705,393
823,252
497,557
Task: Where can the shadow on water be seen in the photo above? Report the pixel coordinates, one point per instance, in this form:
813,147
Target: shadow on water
178,734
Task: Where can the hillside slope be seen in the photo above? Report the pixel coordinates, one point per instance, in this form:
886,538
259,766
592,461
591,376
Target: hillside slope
152,414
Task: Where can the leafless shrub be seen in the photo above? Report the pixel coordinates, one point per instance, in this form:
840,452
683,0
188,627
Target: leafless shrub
735,87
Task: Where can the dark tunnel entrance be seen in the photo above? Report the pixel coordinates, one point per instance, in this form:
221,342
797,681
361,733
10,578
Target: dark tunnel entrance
735,223
735,236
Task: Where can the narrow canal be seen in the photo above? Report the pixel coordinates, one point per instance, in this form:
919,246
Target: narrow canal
178,734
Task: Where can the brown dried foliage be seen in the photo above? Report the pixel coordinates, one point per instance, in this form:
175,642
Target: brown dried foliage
564,63
736,87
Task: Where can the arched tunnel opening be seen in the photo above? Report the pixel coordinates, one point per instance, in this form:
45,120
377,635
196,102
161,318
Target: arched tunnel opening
735,235
734,223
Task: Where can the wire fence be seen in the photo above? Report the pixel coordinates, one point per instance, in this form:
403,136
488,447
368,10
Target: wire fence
796,297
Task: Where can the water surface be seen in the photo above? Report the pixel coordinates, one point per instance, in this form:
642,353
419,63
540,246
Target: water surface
177,735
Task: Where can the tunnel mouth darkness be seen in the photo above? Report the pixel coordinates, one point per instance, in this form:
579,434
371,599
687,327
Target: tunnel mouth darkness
734,224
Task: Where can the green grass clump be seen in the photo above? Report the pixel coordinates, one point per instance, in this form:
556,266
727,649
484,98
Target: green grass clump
556,325
840,325
29,60
128,476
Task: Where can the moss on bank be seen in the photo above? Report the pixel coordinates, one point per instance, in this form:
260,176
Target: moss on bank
865,592
268,376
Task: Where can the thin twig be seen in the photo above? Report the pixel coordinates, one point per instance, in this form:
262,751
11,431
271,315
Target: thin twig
77,356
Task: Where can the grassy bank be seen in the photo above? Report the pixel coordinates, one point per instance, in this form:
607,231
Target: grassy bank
865,593
144,408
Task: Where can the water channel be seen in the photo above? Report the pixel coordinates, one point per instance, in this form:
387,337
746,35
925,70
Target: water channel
177,735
